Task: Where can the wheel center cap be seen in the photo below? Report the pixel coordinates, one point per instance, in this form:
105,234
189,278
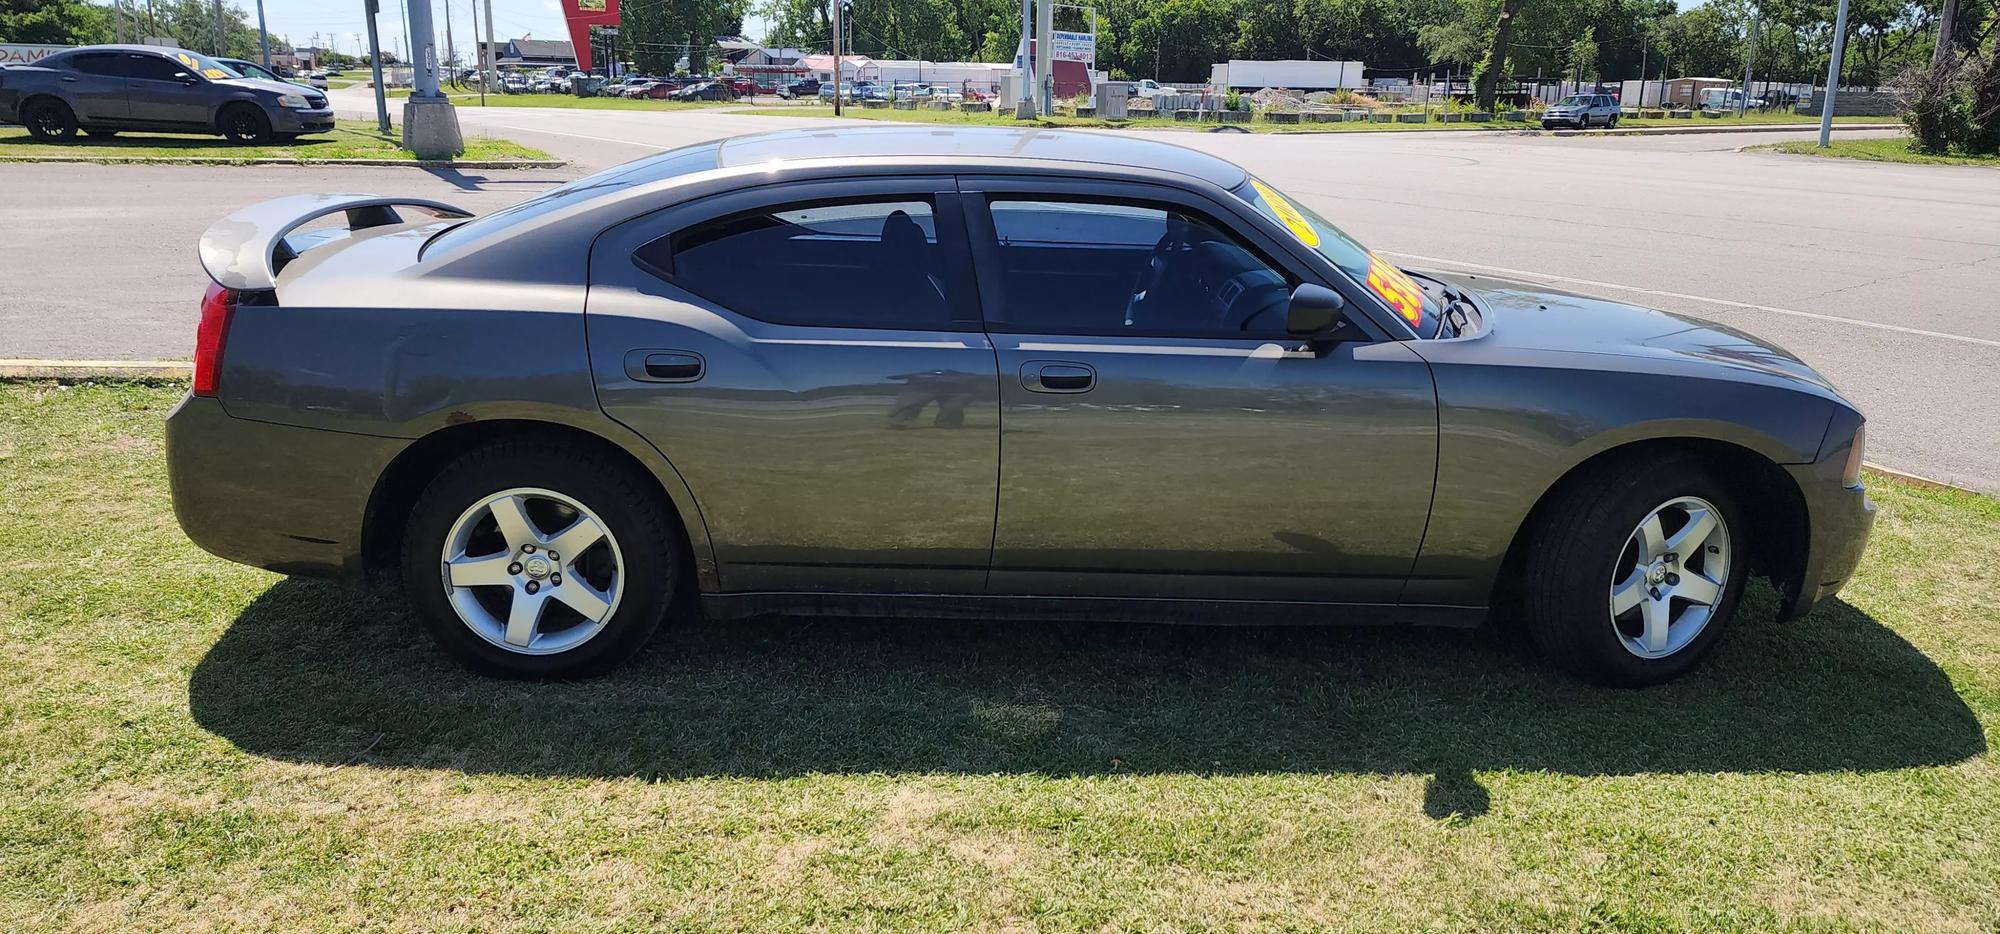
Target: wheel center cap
1658,572
537,567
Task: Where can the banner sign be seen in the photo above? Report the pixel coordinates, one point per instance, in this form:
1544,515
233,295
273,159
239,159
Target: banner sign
581,15
1073,47
11,54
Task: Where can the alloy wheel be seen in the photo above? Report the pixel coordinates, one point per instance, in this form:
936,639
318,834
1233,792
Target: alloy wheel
1669,577
533,571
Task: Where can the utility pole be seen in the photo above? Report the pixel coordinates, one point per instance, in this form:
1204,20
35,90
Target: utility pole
1045,27
1833,76
263,35
450,50
373,7
491,64
837,4
1024,62
220,48
1942,54
118,21
430,122
404,6
479,53
1749,64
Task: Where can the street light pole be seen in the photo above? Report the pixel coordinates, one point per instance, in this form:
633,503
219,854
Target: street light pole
1833,76
263,35
837,4
1749,63
373,7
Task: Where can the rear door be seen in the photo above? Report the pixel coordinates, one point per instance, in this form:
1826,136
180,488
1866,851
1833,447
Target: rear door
809,356
166,91
1161,435
95,86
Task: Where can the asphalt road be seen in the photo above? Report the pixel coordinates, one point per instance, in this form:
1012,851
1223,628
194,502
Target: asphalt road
1885,277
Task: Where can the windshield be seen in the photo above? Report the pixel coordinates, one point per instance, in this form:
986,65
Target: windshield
1574,100
208,67
1390,284
253,70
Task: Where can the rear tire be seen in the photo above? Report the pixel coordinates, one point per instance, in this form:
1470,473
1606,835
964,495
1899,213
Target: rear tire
627,574
1588,542
48,120
244,125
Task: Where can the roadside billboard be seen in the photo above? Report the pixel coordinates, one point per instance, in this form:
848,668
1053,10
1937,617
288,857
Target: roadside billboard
1073,47
17,54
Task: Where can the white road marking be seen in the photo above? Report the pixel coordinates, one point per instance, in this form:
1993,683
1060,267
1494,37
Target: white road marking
1857,322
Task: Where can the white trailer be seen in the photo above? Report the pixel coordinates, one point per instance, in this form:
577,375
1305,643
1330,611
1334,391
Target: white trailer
1244,75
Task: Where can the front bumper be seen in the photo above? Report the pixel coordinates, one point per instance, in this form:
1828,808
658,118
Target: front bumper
1838,519
289,499
288,120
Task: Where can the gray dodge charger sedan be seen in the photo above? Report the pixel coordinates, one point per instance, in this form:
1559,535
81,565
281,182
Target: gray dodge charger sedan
961,372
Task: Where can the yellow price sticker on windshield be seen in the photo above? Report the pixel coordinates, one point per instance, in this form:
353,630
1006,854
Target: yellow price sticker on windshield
1396,288
1288,215
185,58
216,73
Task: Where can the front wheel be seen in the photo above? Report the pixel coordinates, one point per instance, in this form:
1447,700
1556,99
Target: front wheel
245,125
1635,569
1613,124
531,560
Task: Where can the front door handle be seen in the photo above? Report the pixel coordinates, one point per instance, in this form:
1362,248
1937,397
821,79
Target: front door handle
664,366
1057,376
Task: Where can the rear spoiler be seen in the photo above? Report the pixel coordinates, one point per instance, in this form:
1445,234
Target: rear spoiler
245,250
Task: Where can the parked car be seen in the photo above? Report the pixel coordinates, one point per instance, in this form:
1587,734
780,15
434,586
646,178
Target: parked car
705,91
250,69
659,90
743,87
1582,111
105,89
797,89
826,92
801,348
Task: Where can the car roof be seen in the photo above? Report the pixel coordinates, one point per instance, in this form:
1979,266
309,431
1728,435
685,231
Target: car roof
976,146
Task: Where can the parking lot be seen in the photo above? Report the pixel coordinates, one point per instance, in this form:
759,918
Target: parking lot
1879,275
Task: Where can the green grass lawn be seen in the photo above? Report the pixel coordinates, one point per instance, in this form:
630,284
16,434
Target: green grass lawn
1894,149
1256,126
351,139
187,743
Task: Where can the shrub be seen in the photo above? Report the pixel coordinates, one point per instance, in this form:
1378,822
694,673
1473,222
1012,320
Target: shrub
1934,106
1232,100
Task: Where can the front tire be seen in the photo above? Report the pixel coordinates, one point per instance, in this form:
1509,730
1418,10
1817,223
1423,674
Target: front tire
50,121
1635,568
244,125
531,560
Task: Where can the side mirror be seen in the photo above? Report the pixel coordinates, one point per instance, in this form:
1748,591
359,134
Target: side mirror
1315,310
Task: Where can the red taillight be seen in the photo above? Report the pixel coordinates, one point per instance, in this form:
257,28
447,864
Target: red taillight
216,307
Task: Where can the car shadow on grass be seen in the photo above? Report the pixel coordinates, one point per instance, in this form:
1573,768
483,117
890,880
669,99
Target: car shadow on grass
314,673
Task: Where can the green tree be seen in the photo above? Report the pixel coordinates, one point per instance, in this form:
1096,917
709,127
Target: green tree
1582,55
1486,75
54,22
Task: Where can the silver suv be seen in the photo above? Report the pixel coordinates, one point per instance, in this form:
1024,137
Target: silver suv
1582,111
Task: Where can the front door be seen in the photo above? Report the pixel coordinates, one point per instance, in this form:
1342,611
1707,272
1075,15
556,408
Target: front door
166,91
809,357
1161,436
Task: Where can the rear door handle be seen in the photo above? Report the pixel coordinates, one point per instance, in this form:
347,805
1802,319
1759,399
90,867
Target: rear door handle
664,366
1057,376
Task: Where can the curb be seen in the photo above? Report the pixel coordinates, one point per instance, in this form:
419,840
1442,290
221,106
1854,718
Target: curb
95,369
1698,128
225,160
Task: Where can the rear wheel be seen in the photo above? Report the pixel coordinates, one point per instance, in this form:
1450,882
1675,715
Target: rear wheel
1613,124
49,120
244,124
530,560
1635,569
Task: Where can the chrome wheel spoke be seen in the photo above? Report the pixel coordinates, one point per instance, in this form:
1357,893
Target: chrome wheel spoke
580,597
1652,541
1696,588
477,572
571,542
1627,595
1654,613
524,617
1686,542
511,515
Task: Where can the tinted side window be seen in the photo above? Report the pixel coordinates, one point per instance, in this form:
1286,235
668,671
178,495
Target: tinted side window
1101,267
855,264
153,68
108,64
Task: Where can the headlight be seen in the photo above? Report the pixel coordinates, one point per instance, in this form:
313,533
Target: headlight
1851,474
294,101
